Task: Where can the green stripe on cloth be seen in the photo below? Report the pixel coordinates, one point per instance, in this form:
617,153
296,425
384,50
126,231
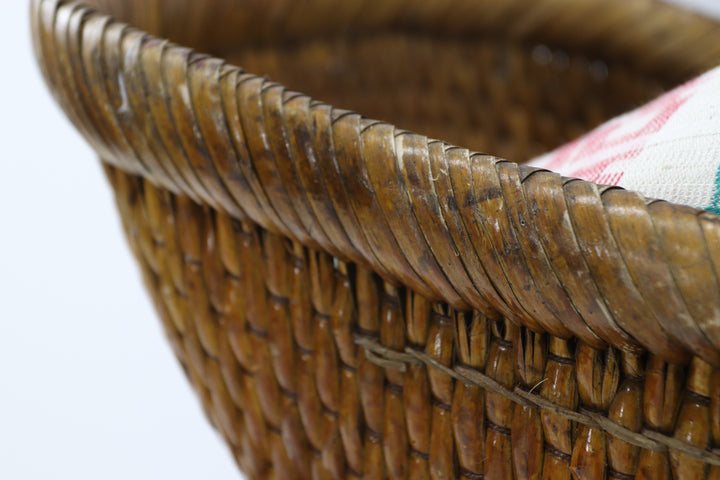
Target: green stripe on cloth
714,206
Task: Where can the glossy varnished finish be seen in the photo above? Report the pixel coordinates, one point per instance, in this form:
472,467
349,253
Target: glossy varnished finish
315,368
352,300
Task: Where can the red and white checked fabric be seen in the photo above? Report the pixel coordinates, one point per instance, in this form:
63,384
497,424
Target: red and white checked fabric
667,149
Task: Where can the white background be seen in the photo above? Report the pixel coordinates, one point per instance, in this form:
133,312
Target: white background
89,389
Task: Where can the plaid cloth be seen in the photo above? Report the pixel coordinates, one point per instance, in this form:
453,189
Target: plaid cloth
668,149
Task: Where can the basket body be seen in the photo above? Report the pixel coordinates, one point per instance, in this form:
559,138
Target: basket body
351,300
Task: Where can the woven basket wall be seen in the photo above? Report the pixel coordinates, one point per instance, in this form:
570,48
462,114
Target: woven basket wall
353,300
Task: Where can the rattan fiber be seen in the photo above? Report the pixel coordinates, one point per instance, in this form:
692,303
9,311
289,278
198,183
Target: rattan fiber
351,300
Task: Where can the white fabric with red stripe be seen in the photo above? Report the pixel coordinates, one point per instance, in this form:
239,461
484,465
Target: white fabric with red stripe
668,149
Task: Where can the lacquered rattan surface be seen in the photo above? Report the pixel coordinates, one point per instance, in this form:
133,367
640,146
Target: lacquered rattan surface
354,300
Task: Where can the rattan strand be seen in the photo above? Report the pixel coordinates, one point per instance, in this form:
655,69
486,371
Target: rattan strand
647,438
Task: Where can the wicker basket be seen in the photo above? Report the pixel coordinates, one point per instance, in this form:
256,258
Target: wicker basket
351,300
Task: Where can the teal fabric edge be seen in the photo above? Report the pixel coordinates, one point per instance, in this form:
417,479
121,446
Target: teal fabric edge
714,206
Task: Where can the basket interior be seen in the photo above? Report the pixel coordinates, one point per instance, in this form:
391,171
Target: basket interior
513,100
456,77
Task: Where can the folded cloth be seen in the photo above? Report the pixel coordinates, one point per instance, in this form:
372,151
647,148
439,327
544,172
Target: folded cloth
667,149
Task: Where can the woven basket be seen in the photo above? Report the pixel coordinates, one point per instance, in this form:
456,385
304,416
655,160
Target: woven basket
352,300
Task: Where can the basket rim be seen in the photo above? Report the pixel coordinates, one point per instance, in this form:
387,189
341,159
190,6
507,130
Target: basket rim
101,71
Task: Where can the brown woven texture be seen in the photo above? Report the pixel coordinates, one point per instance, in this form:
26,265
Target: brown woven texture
353,300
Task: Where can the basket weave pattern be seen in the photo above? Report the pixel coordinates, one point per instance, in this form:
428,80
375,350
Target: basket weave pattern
313,367
351,300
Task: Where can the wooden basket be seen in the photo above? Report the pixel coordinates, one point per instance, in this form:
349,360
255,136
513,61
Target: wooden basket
352,300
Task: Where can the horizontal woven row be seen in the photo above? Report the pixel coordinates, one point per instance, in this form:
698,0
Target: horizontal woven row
268,332
648,439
